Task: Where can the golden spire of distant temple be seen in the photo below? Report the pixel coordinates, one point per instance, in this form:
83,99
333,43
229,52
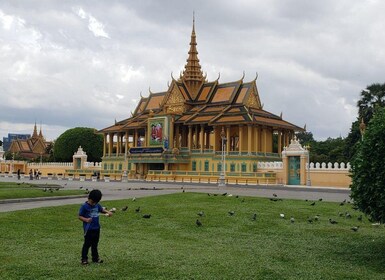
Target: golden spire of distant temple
192,75
34,135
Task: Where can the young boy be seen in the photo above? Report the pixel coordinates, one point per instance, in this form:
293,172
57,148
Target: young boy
89,215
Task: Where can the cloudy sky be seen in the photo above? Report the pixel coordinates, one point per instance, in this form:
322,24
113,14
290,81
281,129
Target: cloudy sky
68,63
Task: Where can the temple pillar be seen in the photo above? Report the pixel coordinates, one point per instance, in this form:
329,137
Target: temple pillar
279,142
135,140
171,134
216,141
201,136
189,138
257,139
104,144
264,140
110,143
240,132
249,139
228,128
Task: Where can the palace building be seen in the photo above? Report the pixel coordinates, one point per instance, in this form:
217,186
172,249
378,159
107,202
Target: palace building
195,126
32,148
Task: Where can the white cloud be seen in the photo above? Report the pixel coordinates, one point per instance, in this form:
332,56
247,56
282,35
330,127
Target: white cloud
95,26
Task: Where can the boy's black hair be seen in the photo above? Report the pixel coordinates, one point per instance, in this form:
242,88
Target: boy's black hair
95,195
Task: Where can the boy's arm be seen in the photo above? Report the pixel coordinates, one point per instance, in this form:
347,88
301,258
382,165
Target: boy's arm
84,219
104,211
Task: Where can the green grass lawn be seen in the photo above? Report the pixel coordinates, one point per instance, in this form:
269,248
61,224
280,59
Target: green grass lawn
26,190
45,243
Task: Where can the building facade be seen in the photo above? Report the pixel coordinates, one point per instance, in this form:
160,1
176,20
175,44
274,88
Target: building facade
195,127
13,136
32,148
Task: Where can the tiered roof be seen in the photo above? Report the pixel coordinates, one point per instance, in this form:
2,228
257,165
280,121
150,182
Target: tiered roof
193,100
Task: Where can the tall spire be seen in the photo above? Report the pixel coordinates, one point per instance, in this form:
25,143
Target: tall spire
34,135
192,75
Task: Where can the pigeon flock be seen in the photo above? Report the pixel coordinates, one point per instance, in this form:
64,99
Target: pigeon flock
311,219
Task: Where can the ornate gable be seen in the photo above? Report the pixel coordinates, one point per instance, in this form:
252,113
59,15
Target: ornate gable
253,100
175,102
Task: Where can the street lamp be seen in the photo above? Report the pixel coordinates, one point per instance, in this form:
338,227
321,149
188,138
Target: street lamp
222,181
308,182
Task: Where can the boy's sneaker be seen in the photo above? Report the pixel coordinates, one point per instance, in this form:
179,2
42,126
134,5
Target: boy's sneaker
84,262
97,261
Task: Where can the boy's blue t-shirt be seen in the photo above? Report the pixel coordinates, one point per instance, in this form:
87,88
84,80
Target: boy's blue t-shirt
89,211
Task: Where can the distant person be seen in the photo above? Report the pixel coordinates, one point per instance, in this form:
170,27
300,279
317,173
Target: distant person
30,174
18,174
89,215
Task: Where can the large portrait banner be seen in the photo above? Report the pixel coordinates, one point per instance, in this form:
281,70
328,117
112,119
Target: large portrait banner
157,132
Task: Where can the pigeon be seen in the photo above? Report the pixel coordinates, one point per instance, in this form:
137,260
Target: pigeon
292,220
231,213
320,199
137,210
342,204
348,216
208,194
359,218
147,216
282,216
254,216
198,223
237,196
310,220
183,190
113,210
274,194
243,200
333,222
201,214
312,204
340,214
354,228
125,208
316,218
133,199
80,187
224,194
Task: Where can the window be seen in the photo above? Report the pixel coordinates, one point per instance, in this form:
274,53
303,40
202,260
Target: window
105,166
111,166
219,167
232,167
194,166
254,167
129,166
243,167
206,165
120,166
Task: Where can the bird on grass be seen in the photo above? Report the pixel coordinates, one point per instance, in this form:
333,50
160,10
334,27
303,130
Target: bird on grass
347,215
125,208
224,194
254,217
275,195
147,216
320,199
333,222
354,228
208,194
316,218
134,199
282,215
310,220
201,214
80,187
342,203
113,210
243,200
231,213
292,220
340,214
312,204
137,210
198,223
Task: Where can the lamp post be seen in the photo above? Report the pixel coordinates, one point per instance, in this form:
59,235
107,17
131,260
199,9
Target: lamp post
222,181
308,182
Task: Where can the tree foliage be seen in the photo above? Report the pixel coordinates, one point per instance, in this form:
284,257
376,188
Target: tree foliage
372,98
68,143
368,172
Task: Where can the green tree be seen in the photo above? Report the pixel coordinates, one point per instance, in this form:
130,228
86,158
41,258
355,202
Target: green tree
368,172
372,97
68,143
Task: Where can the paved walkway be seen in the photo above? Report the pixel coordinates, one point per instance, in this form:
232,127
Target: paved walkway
130,189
